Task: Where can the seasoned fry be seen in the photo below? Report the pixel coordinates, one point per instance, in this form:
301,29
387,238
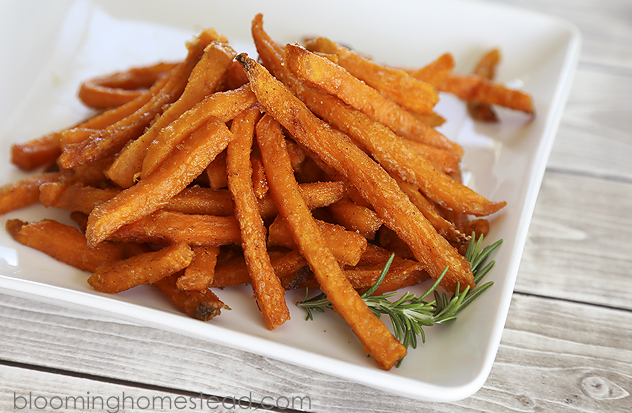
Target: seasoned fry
485,68
169,227
24,192
64,243
199,274
437,71
224,106
395,84
346,246
119,88
37,152
350,89
201,305
116,276
375,185
266,286
152,193
477,88
377,340
356,217
216,172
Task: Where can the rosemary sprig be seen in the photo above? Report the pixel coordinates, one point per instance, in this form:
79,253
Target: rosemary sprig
409,313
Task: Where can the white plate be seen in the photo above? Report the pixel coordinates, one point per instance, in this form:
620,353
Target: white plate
48,48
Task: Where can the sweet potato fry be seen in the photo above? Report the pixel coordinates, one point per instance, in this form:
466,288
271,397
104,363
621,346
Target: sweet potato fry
36,152
199,274
64,243
316,195
201,305
154,192
377,340
169,227
266,286
201,200
25,192
436,71
485,68
477,88
204,79
395,84
116,276
346,246
216,172
224,106
368,178
119,88
355,217
350,89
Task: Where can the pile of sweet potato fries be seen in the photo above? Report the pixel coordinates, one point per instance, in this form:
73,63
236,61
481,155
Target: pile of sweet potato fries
305,168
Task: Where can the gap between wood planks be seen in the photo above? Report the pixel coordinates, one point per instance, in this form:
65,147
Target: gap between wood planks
567,300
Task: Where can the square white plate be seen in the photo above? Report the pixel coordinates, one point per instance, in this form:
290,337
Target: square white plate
48,48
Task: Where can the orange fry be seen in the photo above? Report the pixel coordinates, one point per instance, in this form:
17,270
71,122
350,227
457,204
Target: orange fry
152,193
119,88
377,340
24,192
201,305
266,286
116,276
395,84
199,274
168,227
350,89
64,243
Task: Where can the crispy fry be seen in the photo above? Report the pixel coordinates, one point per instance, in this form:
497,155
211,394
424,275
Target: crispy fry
199,274
356,217
395,84
377,340
375,185
152,193
346,246
477,88
224,106
259,181
266,286
443,226
485,68
216,172
64,243
36,152
169,227
116,276
24,192
119,88
201,305
350,89
437,71
204,79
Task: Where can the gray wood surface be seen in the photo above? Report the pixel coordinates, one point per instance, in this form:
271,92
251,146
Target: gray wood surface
567,343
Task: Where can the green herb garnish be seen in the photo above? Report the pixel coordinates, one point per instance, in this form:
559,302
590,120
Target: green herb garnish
409,313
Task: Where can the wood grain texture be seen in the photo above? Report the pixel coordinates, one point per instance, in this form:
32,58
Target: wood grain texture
578,246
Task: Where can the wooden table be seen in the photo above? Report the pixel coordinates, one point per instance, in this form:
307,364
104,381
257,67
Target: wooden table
567,344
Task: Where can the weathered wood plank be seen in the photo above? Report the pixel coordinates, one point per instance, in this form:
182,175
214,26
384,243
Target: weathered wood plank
594,136
578,247
550,359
